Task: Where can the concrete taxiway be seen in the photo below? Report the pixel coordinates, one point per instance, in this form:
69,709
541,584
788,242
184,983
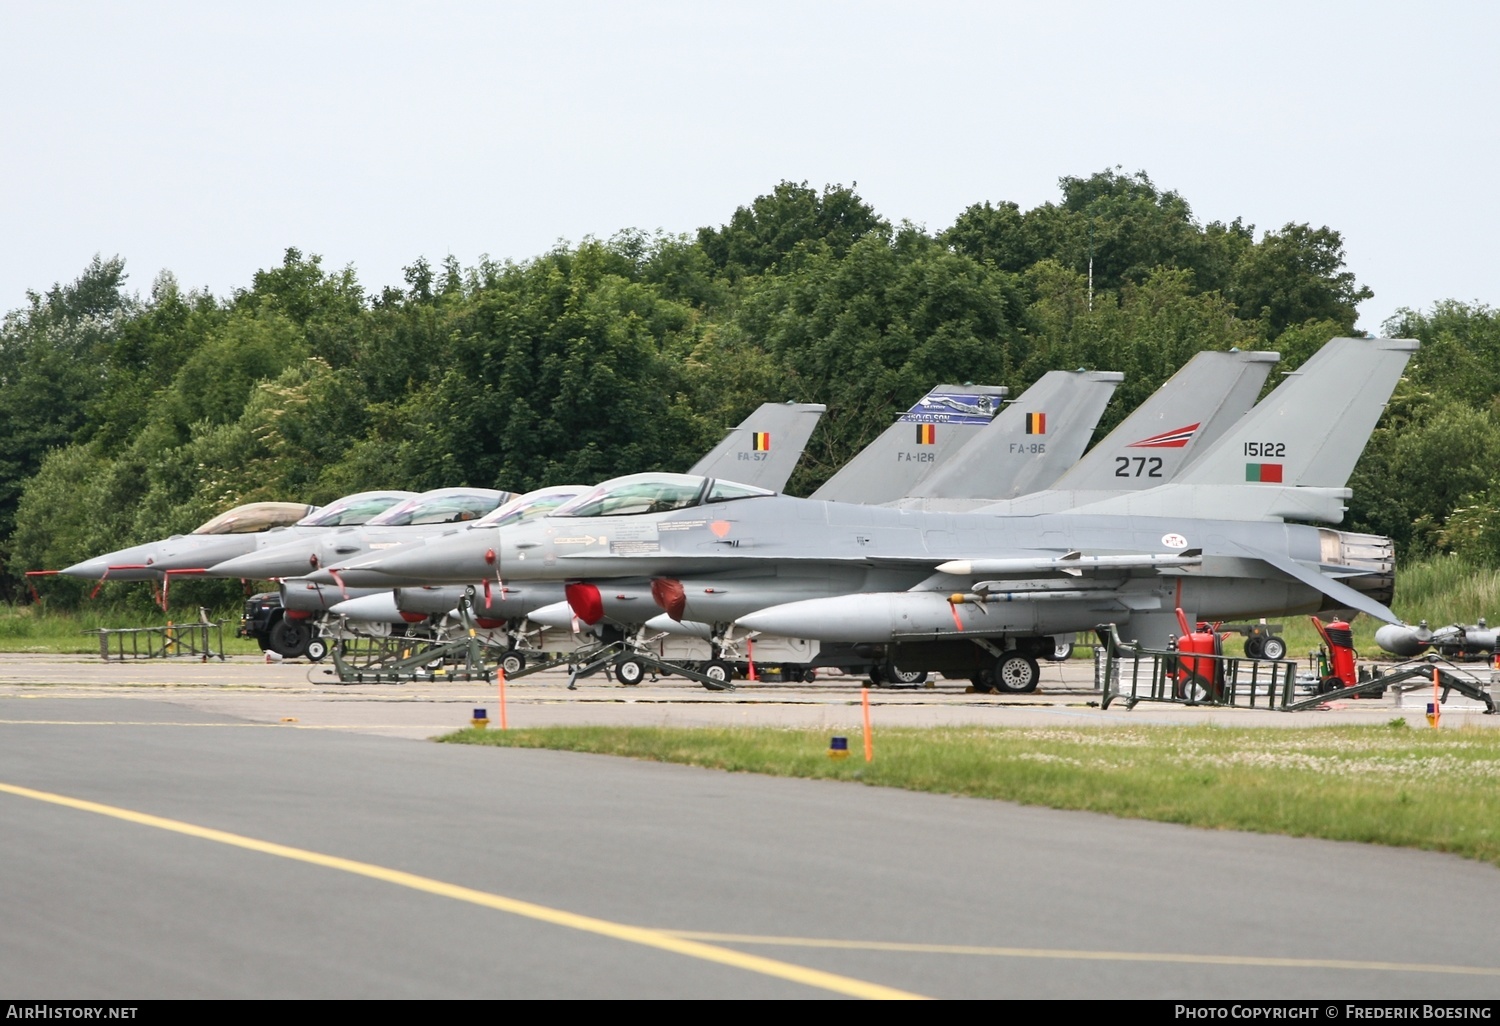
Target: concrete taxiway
306,695
235,830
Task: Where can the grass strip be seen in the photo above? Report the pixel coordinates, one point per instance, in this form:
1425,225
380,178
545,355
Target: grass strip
1434,790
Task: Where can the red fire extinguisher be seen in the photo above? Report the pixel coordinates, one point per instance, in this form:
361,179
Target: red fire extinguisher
1339,638
1198,679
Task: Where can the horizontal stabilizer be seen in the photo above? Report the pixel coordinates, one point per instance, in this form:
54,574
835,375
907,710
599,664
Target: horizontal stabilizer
1344,596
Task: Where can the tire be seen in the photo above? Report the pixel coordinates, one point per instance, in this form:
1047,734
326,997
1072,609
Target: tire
514,662
1255,648
981,684
1016,673
317,648
877,678
1273,648
718,670
1193,690
895,675
1062,648
289,638
630,672
809,676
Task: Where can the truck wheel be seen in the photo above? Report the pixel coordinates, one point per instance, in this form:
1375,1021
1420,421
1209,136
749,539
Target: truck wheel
290,638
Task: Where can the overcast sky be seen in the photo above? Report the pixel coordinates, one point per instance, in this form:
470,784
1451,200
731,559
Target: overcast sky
207,138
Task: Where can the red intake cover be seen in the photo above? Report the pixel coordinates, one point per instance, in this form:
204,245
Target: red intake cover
669,596
488,625
413,617
585,601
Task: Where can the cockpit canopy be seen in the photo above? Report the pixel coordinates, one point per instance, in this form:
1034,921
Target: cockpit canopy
655,493
532,506
254,517
352,510
442,506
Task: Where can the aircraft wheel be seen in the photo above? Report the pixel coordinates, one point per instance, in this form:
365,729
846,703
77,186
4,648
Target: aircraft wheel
1273,648
514,662
719,670
1255,648
877,679
1062,648
289,638
891,672
630,671
809,675
1017,673
317,648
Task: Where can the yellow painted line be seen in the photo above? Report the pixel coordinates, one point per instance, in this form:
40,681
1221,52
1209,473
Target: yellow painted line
1087,956
281,726
588,924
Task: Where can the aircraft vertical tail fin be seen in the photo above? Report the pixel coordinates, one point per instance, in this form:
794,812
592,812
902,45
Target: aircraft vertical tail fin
1312,429
1187,414
1030,444
925,436
1291,456
764,449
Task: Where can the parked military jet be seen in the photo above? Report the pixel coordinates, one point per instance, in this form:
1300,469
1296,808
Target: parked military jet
972,593
432,512
764,447
233,533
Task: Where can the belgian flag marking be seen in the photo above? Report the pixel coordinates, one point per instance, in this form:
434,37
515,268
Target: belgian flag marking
926,434
1036,423
760,441
1264,473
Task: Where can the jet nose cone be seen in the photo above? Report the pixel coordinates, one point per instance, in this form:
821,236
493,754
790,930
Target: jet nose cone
92,569
132,564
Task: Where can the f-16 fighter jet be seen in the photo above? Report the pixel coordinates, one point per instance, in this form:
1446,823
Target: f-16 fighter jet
974,593
233,533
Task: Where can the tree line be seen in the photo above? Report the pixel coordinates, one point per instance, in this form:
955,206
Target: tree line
127,417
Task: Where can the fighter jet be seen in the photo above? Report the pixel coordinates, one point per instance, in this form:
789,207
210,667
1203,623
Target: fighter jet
995,455
232,533
975,593
432,512
414,604
765,446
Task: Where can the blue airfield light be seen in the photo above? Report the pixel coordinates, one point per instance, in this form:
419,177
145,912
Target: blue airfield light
838,748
